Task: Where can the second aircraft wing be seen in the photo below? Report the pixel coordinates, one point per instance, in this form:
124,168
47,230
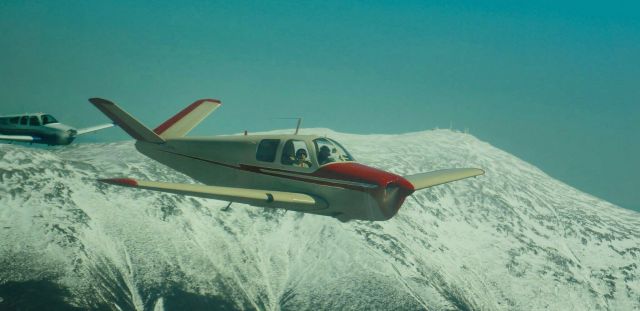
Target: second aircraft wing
22,138
94,128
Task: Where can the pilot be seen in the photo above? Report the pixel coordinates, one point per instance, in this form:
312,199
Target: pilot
323,155
301,159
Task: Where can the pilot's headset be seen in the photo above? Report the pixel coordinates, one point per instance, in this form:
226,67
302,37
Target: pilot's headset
300,152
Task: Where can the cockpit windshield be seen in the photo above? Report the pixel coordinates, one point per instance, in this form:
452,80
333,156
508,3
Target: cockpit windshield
47,118
331,151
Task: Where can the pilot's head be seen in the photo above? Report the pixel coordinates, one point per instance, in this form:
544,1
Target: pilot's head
301,154
325,151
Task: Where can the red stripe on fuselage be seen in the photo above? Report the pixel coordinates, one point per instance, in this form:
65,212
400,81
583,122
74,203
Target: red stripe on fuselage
340,172
356,172
167,124
345,175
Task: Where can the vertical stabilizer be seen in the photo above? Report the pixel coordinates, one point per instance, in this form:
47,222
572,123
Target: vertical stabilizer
184,121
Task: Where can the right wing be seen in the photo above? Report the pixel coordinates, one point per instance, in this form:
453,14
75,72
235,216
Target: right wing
22,138
430,179
265,198
94,128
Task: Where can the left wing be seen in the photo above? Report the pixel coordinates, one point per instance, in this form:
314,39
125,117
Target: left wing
94,128
266,198
23,138
430,179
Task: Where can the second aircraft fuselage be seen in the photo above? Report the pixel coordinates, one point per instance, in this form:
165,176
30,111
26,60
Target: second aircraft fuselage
46,129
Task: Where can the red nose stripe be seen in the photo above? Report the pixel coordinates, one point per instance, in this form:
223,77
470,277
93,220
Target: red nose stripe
361,173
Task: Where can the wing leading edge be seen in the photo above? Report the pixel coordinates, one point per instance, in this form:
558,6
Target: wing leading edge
265,198
91,129
430,179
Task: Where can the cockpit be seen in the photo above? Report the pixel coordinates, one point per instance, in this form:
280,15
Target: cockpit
29,120
329,150
302,153
47,118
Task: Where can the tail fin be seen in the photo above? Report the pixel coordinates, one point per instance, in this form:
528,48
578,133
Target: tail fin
184,121
125,121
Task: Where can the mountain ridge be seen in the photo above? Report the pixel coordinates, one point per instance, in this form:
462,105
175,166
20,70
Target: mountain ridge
514,238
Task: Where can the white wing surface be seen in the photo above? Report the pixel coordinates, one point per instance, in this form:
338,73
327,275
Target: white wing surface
23,138
430,179
94,128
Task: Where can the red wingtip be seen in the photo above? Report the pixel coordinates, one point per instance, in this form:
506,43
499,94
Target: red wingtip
120,181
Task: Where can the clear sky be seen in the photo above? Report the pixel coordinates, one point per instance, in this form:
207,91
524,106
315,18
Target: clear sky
555,84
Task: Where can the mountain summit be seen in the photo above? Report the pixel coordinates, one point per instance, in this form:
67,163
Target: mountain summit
512,239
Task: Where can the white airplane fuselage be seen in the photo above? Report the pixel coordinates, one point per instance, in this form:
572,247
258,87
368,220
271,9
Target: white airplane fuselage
41,128
50,134
345,190
305,173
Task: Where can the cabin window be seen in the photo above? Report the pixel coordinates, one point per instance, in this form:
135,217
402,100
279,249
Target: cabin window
24,120
14,120
34,121
296,153
46,119
331,151
267,150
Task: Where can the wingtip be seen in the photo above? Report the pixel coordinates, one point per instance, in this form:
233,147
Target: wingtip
100,101
217,101
129,182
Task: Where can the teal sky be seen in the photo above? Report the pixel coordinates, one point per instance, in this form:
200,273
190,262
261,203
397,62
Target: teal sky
555,84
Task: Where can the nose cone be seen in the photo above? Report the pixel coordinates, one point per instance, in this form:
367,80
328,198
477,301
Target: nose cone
64,137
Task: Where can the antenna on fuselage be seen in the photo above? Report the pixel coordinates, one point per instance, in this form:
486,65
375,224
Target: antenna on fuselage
297,125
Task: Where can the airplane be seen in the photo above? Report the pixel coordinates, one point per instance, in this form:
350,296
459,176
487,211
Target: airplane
305,173
41,128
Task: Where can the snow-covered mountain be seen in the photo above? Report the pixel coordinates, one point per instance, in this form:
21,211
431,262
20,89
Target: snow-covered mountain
512,239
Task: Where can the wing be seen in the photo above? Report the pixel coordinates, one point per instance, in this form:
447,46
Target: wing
23,138
94,128
266,198
430,179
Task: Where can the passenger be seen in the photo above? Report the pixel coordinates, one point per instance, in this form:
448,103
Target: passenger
323,155
301,159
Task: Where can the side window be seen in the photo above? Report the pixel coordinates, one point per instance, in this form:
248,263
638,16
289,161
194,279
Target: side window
331,151
267,150
14,120
296,153
46,119
24,120
34,121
